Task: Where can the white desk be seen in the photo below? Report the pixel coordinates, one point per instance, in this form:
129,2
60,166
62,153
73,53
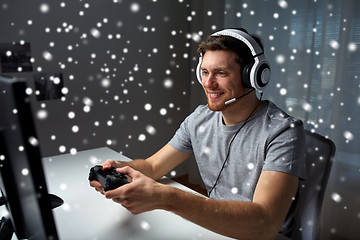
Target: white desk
86,214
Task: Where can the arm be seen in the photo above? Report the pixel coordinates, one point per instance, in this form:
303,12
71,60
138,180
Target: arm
159,164
260,219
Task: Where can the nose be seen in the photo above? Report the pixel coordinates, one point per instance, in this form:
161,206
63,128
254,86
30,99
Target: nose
209,81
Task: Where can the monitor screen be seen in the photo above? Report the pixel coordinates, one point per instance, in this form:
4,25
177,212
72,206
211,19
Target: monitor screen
22,181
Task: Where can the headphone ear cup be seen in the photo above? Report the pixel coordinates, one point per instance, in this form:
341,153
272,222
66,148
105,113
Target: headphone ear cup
198,70
262,75
245,75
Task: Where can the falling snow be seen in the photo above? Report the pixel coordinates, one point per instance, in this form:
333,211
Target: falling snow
117,90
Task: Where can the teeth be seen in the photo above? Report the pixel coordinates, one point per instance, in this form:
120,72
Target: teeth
215,94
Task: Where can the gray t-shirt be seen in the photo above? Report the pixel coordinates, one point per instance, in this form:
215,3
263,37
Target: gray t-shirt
271,140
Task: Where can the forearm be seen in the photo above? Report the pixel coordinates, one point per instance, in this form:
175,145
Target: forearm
158,164
240,220
140,165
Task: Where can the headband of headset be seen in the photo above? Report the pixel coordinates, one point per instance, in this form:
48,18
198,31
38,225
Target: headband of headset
255,75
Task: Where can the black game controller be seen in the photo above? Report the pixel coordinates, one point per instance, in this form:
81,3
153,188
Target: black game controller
109,179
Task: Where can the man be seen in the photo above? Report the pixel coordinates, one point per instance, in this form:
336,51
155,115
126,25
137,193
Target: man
249,152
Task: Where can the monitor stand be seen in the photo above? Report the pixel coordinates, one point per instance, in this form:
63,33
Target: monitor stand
6,227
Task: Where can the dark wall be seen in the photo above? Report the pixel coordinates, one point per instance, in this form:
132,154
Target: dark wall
121,68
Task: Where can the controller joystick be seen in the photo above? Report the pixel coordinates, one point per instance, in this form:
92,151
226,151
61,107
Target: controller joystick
109,179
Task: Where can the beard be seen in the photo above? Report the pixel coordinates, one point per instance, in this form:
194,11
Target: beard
216,106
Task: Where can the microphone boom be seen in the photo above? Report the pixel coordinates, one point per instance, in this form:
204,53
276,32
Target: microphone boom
234,99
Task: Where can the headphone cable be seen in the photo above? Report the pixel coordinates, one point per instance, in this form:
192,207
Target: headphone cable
232,140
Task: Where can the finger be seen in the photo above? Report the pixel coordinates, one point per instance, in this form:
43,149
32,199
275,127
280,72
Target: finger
116,193
95,184
101,190
128,171
120,199
108,164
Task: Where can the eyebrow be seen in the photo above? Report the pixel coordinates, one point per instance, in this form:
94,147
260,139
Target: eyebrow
218,68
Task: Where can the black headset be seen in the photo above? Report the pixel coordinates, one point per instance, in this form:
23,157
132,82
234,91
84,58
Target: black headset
255,75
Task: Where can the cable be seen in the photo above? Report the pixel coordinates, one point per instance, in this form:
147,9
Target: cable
232,140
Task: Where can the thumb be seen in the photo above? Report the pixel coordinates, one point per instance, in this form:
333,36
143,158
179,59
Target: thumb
132,173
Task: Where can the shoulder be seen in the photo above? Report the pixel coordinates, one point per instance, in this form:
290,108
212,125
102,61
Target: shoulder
277,122
279,118
285,142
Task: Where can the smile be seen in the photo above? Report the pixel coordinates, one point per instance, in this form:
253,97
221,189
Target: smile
214,95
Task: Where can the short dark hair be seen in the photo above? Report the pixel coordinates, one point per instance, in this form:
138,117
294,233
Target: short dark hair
227,43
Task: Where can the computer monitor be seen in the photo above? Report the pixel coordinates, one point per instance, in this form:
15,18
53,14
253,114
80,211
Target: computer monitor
22,180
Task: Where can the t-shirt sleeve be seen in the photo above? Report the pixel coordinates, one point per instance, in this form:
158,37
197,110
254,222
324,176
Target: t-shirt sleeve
285,150
181,141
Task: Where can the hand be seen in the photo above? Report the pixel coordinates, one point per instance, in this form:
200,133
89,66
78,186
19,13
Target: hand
106,165
141,195
110,163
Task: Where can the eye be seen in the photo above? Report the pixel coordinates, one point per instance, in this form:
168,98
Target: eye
204,72
221,74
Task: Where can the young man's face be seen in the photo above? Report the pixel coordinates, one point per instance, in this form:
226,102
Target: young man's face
221,78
